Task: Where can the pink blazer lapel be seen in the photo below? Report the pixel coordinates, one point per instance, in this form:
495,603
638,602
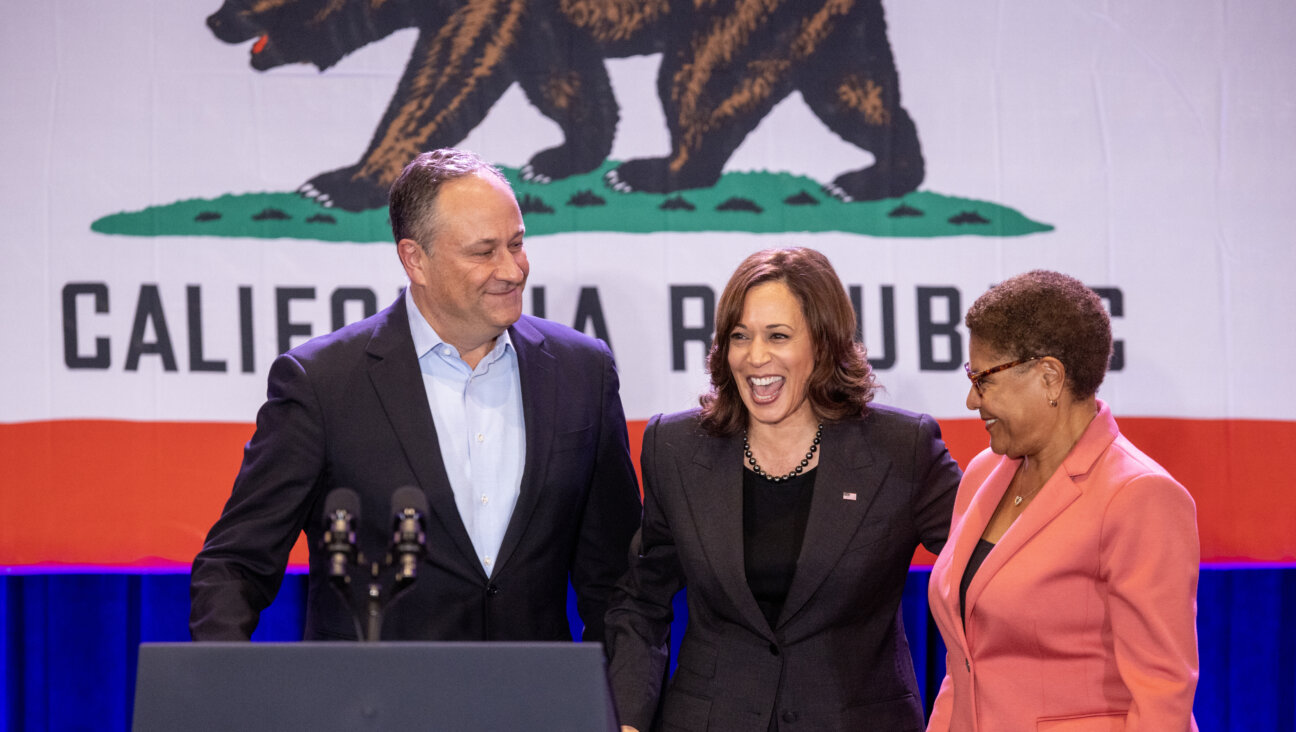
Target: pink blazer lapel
1059,492
967,529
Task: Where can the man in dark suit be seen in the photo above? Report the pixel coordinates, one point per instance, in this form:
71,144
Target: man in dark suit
511,426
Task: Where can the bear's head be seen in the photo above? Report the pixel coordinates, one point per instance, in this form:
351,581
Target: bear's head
319,32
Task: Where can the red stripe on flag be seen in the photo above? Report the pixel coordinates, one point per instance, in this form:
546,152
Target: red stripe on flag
104,493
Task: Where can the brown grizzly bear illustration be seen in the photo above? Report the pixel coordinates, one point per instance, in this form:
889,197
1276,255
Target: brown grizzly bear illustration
725,64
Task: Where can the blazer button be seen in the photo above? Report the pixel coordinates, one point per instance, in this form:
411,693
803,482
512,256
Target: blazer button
492,590
774,650
789,716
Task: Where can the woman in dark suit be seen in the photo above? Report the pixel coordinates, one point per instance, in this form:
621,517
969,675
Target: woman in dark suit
791,508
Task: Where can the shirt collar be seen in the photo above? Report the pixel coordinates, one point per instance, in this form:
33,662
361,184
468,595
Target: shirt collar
426,337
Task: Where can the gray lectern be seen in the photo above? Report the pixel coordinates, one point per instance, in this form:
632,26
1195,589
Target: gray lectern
459,687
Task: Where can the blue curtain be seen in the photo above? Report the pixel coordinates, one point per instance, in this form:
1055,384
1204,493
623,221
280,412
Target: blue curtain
70,644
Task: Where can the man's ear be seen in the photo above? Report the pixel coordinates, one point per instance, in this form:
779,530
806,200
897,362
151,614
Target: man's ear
412,258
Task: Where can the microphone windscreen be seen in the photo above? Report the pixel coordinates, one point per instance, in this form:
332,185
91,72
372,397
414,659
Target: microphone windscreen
343,499
409,497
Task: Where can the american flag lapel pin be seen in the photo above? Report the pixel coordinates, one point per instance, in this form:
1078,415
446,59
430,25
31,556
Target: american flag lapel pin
848,496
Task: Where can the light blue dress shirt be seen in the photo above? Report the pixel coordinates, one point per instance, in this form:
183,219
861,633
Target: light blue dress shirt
479,425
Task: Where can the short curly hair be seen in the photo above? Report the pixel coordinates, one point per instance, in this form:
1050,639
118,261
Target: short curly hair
842,382
1044,313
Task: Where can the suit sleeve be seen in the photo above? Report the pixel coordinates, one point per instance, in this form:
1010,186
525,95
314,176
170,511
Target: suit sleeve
237,573
640,611
1150,561
938,482
612,511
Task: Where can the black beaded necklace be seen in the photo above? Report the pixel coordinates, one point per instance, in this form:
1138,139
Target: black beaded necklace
814,446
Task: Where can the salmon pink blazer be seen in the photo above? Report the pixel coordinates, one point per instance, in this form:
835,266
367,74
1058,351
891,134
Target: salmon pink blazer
1083,616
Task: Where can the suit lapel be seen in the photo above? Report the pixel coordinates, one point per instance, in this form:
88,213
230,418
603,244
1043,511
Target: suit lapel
846,465
1059,492
967,531
539,377
968,528
394,373
1056,494
712,484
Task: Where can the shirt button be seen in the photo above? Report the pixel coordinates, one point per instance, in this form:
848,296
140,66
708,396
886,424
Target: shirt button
489,561
481,437
485,499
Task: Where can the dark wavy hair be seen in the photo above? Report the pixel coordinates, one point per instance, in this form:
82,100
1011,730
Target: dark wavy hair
1043,313
412,199
841,384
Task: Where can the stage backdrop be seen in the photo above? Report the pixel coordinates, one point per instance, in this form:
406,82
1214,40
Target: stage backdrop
190,189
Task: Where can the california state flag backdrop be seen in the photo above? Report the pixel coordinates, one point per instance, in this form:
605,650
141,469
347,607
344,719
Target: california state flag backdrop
189,189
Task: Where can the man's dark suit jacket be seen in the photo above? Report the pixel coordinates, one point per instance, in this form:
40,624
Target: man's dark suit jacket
349,409
837,658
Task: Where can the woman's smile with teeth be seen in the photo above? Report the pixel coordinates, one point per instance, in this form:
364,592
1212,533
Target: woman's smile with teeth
765,388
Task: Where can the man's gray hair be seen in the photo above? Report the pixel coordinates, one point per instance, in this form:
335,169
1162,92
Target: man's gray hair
411,203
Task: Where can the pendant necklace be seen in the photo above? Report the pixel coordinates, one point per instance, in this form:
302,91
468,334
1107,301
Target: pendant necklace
1021,496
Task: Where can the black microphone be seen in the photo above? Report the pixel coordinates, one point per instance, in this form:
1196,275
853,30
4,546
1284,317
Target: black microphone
341,516
409,542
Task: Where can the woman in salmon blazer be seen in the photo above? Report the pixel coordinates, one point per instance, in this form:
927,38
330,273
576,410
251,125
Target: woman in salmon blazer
1066,593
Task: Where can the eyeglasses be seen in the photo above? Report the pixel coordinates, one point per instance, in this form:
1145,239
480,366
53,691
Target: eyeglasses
976,376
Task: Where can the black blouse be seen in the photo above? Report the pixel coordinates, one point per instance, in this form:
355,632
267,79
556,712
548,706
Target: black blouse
774,521
982,549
